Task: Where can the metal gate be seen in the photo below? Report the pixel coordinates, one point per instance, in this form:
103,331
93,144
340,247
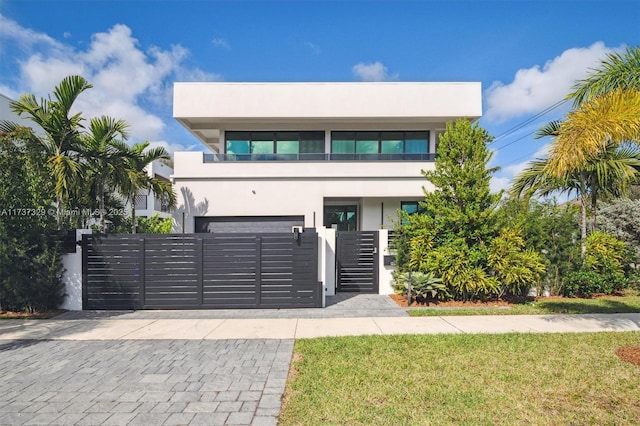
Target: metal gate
357,261
201,271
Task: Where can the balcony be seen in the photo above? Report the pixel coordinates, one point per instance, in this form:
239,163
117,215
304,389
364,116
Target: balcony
212,158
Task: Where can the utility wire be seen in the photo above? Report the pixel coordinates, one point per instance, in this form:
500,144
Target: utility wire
526,122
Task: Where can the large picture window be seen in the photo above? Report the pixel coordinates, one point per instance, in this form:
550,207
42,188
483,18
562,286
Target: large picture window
396,142
274,145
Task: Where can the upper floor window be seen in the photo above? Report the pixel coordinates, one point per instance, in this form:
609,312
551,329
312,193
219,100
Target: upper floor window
396,142
269,143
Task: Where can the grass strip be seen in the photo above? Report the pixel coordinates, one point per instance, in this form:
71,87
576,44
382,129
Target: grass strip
507,379
599,305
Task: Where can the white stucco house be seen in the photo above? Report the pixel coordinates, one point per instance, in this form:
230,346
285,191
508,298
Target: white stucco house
346,156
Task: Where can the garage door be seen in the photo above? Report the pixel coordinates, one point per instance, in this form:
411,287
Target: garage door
250,224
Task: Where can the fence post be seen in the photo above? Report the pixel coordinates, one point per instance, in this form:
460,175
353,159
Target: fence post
258,270
142,286
200,266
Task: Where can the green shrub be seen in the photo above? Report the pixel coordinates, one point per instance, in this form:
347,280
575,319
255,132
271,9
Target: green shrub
587,282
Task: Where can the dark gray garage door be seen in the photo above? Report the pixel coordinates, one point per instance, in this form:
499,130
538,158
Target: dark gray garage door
196,271
251,224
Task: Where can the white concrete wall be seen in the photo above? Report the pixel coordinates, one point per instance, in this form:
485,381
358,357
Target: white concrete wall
72,276
329,100
385,279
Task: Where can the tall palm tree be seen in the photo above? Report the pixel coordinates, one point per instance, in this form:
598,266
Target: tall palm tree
606,110
61,139
137,179
611,118
106,155
608,174
616,71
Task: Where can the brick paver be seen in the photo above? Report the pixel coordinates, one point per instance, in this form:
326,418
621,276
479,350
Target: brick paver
160,382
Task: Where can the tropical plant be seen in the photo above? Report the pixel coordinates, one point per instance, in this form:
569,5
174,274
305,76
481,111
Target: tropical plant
607,111
30,264
515,266
420,286
136,179
106,155
608,174
550,230
61,141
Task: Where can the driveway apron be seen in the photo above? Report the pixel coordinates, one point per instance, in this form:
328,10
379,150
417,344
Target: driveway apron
143,382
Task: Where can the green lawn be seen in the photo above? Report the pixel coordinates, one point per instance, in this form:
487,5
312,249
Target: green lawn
508,379
599,305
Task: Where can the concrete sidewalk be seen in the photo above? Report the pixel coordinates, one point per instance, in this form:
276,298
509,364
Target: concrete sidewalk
297,328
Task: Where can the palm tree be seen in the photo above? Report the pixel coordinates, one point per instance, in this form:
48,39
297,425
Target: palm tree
106,156
617,71
137,179
61,140
607,110
611,118
608,174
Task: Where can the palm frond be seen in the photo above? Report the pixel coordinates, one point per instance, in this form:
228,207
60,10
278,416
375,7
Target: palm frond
616,71
613,117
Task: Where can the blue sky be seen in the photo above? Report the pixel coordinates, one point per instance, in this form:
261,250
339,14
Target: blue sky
526,54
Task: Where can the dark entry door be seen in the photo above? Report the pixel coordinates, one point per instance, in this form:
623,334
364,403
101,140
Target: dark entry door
357,261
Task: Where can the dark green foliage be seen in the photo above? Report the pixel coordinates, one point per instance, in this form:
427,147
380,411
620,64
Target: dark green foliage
30,264
587,282
605,270
550,230
458,237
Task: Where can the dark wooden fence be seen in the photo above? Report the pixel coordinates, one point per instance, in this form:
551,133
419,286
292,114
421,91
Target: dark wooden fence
201,271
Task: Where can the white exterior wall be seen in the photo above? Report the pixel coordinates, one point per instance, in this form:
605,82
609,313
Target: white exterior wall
294,188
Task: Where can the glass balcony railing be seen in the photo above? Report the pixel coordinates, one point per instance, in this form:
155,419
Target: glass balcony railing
212,158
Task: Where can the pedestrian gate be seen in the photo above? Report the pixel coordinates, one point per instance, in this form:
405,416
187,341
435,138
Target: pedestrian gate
357,261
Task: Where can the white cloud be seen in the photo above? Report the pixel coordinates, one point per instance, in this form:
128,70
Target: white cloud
536,88
221,43
509,171
375,71
498,184
128,82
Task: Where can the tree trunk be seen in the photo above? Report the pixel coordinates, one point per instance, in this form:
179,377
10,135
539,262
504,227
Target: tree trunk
583,227
133,214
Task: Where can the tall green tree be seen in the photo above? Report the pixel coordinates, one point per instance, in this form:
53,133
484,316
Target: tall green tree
462,203
61,141
137,179
457,237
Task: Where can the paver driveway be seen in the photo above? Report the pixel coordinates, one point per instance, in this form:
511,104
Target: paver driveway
159,382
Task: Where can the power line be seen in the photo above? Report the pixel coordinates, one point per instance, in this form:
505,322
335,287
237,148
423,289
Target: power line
527,122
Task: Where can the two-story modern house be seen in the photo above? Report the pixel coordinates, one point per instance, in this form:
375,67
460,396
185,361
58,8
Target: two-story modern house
335,155
347,155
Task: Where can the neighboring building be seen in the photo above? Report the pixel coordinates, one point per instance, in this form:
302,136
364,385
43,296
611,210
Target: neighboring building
343,155
147,204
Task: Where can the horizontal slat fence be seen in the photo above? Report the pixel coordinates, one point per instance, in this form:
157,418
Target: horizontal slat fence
201,271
